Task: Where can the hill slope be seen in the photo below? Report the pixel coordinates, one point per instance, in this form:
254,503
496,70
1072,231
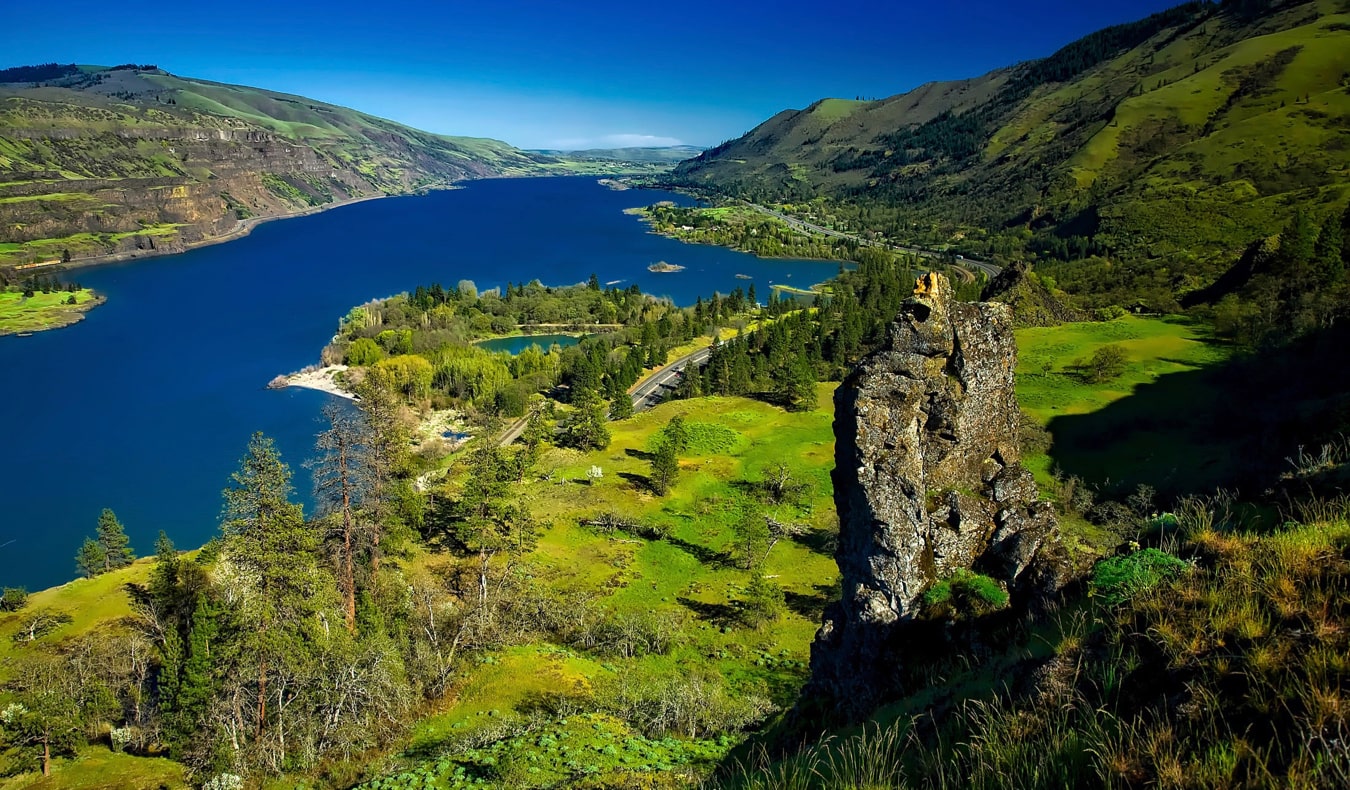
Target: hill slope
96,160
1178,139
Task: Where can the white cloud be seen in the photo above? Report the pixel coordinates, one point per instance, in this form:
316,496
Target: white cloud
616,141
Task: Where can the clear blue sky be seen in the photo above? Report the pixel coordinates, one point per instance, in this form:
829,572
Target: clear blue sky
559,74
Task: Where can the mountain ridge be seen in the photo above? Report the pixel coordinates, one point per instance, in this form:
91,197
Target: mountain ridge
99,162
1169,144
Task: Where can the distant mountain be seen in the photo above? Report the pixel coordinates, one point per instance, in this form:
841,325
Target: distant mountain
1170,143
132,159
666,154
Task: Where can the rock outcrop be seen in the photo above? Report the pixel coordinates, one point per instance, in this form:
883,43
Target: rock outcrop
927,482
1032,303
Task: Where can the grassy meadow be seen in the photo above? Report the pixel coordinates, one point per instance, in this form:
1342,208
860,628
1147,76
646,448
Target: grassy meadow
19,313
1150,424
535,713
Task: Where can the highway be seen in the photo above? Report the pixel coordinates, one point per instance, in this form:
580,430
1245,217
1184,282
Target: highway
653,389
648,392
988,268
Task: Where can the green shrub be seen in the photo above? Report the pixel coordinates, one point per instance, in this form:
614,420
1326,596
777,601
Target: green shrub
965,594
1118,579
13,599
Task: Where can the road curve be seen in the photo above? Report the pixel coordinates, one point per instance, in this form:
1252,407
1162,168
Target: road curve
646,394
653,389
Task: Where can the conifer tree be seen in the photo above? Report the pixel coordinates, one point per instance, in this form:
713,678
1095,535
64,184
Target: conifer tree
91,559
665,467
113,538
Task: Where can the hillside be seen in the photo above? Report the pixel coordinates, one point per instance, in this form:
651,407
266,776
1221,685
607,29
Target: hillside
1169,144
133,159
653,155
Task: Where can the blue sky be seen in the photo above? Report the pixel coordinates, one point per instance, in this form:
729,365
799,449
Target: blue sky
564,75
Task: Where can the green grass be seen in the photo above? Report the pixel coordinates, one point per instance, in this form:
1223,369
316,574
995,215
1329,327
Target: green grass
95,603
834,109
692,575
1147,425
42,310
97,768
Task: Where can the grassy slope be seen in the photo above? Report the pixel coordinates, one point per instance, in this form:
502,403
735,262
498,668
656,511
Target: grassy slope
1103,435
636,575
42,310
1180,160
690,569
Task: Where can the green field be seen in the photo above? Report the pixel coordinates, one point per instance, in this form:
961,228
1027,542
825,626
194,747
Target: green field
43,310
1149,425
689,576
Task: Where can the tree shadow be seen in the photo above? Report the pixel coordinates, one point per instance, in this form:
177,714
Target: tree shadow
1231,424
705,555
639,454
818,541
640,482
718,614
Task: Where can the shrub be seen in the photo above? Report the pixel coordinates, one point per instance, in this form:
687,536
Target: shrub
1118,579
965,594
13,599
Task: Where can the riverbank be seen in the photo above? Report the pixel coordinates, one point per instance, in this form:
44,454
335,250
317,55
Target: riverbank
21,315
241,229
322,379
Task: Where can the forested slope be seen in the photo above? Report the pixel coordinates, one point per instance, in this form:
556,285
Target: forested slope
1168,145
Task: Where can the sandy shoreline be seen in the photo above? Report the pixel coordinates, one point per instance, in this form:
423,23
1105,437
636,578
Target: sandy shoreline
315,378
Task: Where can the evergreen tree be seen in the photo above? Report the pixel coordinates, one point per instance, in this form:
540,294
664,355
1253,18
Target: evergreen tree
91,559
196,681
665,467
342,483
164,577
268,542
620,405
113,538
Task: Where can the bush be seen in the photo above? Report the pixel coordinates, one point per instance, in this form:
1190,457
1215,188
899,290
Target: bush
965,594
13,599
1118,579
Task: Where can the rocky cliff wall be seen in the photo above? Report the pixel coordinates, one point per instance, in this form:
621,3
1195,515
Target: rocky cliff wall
927,482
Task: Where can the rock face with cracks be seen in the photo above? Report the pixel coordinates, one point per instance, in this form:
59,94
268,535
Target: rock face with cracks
927,482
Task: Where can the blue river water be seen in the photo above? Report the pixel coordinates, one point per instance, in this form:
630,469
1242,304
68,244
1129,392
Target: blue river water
147,405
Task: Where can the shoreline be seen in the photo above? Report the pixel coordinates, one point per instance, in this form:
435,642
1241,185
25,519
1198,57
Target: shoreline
321,379
241,229
65,316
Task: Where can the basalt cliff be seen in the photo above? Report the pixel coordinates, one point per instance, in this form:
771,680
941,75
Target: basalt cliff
133,160
927,483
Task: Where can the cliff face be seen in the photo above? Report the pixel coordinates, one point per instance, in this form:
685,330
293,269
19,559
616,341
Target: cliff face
927,482
138,161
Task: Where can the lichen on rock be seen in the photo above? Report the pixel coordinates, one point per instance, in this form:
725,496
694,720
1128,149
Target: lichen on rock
927,481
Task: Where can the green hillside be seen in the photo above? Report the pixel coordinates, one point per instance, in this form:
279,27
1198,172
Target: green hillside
1169,145
134,160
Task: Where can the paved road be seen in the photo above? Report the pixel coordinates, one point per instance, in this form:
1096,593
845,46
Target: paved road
988,268
653,389
649,392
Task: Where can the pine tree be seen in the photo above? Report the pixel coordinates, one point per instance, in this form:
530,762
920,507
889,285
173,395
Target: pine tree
267,540
197,679
164,576
342,483
91,559
113,538
665,467
620,405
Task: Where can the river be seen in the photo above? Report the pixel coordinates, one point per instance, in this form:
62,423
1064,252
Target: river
147,405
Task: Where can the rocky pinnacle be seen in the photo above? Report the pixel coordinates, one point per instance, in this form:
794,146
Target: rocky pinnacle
927,481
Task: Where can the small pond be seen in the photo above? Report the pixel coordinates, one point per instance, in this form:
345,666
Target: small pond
517,343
